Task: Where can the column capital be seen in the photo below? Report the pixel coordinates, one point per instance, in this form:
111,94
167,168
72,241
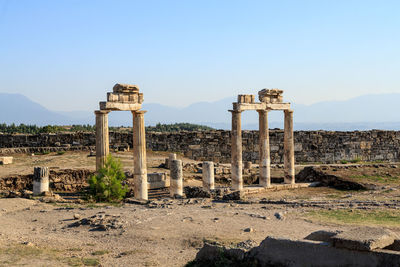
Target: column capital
235,111
263,110
288,110
101,112
138,112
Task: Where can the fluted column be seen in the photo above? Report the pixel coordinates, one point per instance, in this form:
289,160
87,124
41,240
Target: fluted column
40,180
289,148
236,144
102,139
265,160
139,156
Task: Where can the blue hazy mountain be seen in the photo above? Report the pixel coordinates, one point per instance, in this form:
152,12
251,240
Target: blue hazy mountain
361,113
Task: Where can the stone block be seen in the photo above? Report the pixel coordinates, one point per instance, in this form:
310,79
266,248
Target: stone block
125,88
157,180
246,99
364,238
6,160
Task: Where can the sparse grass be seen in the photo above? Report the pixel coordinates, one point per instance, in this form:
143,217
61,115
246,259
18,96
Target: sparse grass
375,178
356,160
74,261
60,153
74,249
90,261
343,161
18,254
100,252
359,217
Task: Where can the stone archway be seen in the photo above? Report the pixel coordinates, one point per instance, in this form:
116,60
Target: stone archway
124,97
271,99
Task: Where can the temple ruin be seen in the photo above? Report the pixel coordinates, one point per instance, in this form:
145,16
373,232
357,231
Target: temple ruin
271,99
124,97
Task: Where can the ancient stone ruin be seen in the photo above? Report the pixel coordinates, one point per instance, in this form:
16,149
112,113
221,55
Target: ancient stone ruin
124,97
271,99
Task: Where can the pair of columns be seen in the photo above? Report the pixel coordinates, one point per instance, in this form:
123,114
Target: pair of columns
265,160
139,149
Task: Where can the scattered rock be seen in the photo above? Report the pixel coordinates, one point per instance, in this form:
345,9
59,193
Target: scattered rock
248,230
279,215
100,222
247,245
77,216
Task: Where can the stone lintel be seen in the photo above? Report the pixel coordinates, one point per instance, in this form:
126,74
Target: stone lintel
260,106
119,106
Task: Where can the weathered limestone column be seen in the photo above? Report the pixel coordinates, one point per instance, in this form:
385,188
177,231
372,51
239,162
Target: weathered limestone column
289,148
40,180
236,162
102,139
139,156
265,160
176,178
171,157
208,175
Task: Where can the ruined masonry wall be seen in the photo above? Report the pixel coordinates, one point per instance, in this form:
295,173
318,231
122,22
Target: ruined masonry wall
310,146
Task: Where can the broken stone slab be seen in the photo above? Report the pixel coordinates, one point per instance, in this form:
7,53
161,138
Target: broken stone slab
364,239
322,235
6,160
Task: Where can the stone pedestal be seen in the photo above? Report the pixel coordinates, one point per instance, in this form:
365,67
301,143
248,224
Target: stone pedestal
289,170
265,160
208,175
176,181
171,157
40,180
139,156
102,139
236,164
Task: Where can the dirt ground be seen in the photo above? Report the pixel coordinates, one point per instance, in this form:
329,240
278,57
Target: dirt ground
170,232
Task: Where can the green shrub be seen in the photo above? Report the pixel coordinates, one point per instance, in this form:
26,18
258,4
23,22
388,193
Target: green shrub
61,152
343,161
107,184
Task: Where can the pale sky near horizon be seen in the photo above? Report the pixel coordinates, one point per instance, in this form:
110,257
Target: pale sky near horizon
67,54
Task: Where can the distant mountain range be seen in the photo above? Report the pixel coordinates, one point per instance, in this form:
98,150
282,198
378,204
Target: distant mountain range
361,113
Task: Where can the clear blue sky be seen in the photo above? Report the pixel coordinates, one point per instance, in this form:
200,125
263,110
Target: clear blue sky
68,54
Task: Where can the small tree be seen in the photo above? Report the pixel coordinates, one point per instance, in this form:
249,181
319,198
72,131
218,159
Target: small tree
107,184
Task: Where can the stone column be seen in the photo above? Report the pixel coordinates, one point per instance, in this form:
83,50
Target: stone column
40,180
289,148
236,143
265,160
139,156
208,175
176,178
171,157
102,139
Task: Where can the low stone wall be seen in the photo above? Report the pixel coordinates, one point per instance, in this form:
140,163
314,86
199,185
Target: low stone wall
65,180
310,146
